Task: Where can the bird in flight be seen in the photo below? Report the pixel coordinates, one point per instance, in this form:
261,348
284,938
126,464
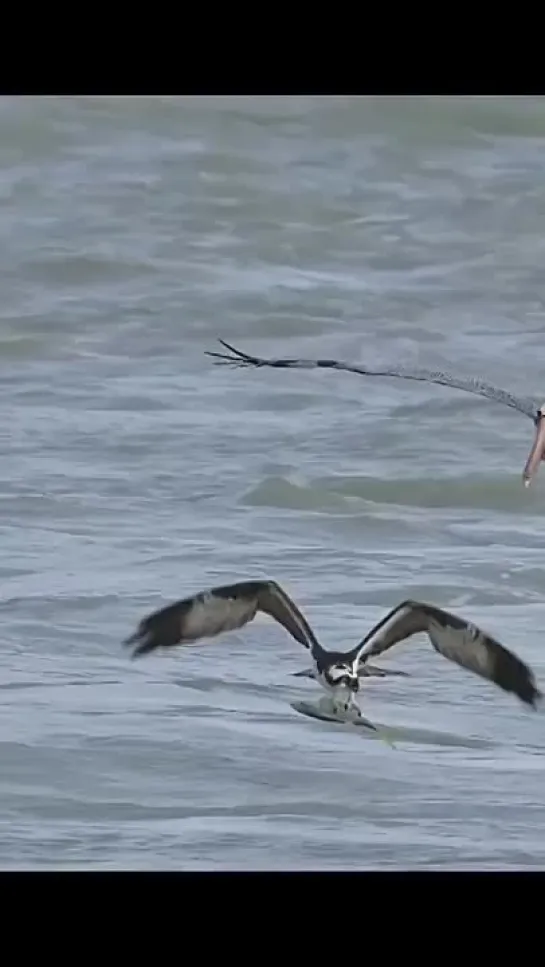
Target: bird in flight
524,404
225,608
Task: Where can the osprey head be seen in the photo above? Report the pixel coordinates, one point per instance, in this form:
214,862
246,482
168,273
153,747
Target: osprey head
342,675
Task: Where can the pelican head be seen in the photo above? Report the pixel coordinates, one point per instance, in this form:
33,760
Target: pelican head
537,453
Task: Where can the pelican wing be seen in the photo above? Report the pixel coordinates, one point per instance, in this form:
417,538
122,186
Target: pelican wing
218,610
524,404
455,639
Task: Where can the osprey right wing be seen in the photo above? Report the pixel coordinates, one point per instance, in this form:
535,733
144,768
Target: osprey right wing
217,610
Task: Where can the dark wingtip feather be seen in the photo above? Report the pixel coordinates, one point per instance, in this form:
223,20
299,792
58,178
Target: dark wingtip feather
238,358
237,352
513,675
143,641
535,697
158,630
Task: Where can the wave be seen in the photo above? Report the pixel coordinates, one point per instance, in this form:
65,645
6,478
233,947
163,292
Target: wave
355,494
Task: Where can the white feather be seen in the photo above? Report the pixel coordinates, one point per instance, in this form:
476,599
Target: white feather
379,635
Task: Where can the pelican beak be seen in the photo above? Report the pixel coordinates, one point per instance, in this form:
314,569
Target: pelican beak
537,453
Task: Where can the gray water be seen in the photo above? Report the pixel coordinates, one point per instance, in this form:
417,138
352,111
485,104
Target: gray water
134,233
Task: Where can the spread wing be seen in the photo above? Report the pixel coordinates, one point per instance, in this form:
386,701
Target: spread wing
455,639
524,404
218,610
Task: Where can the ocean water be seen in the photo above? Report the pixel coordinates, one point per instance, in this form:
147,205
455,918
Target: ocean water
135,232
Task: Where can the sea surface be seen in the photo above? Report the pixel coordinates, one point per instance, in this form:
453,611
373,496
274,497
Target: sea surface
137,231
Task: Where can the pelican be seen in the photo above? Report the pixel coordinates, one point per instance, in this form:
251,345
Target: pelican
524,404
217,610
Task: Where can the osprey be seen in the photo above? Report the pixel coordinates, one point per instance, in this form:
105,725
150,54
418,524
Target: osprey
220,609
